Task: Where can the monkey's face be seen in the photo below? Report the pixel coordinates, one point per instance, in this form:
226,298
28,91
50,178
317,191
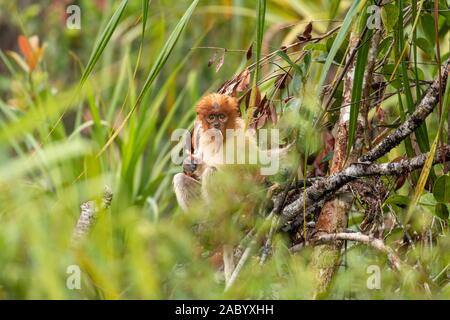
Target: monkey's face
217,121
217,111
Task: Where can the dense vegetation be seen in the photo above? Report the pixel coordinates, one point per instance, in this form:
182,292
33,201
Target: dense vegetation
81,109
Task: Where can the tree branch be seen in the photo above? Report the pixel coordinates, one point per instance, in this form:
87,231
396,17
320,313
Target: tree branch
88,216
422,111
331,184
375,243
320,189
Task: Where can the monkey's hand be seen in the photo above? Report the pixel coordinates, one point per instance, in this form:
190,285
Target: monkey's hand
191,165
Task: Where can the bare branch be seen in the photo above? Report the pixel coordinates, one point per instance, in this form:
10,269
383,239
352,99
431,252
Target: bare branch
321,189
239,266
375,243
88,216
422,111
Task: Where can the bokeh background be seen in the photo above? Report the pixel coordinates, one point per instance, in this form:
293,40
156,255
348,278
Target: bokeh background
56,152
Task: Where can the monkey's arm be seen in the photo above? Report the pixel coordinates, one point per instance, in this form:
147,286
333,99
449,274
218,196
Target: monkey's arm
208,184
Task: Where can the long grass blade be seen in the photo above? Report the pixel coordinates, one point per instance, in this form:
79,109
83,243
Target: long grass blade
357,89
157,66
342,34
261,16
103,41
429,162
145,6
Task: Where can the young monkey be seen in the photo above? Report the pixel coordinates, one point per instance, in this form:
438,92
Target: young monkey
216,129
216,113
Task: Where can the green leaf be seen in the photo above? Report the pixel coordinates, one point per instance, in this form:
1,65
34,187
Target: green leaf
420,74
441,189
316,47
427,199
425,45
357,89
328,157
261,17
441,210
441,185
285,57
389,16
166,51
261,11
341,52
421,132
398,200
156,68
145,6
384,46
387,72
340,38
103,41
427,27
260,22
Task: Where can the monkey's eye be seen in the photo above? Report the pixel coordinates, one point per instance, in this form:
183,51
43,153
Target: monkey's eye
222,117
211,117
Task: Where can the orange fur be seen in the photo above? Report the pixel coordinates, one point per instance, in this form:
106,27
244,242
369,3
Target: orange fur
225,196
224,104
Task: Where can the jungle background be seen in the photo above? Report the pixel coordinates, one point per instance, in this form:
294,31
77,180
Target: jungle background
81,109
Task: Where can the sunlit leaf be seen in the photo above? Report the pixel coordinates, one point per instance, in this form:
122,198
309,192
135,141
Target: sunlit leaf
441,189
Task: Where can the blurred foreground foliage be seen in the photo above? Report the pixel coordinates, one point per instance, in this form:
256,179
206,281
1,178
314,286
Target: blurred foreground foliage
56,150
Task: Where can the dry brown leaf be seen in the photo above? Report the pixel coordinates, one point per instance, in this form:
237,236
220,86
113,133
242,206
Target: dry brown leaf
221,61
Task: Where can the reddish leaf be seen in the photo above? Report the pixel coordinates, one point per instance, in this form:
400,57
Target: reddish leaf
308,30
30,50
257,101
223,88
239,83
320,166
221,61
306,35
247,101
27,52
249,52
258,97
262,104
273,113
243,80
380,114
286,100
212,59
281,81
261,121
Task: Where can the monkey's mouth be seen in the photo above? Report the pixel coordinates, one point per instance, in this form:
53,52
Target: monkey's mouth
217,126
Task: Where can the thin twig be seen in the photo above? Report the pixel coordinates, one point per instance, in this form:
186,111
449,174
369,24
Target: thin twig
239,266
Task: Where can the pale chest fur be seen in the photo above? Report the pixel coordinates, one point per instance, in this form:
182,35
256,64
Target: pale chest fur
215,150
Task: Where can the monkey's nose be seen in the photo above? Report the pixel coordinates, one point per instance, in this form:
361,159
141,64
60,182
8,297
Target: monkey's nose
217,125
